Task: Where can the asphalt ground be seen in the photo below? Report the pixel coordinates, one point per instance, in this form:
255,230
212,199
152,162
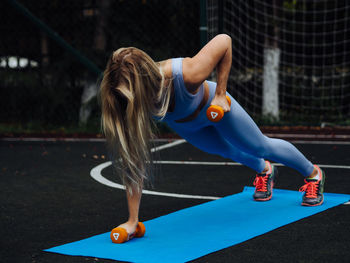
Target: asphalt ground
48,198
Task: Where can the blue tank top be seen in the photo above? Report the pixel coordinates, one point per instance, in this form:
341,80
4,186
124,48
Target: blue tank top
185,102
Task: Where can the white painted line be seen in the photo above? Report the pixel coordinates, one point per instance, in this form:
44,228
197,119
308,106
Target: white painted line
334,166
168,145
53,139
198,163
309,136
238,164
39,139
96,173
321,142
43,139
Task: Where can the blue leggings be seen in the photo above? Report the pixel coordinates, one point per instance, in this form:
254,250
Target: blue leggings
238,138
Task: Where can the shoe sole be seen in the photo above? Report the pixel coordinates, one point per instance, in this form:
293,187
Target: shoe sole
265,199
306,204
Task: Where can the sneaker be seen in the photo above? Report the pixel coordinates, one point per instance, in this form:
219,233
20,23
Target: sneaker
264,184
313,189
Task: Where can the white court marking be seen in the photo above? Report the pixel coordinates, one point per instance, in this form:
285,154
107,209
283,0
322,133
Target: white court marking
96,173
290,138
238,164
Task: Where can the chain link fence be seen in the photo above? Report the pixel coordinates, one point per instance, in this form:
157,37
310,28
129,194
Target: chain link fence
291,58
52,53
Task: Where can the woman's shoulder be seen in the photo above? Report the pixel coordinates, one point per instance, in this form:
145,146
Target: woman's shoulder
166,66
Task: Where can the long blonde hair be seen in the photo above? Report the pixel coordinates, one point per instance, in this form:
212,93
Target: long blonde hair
132,91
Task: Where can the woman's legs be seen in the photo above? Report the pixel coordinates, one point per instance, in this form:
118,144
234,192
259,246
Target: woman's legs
209,140
237,137
239,129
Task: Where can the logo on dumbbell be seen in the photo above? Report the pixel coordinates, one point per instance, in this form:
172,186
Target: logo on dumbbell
216,113
213,115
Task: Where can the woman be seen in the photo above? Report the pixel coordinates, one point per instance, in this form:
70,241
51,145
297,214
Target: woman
135,90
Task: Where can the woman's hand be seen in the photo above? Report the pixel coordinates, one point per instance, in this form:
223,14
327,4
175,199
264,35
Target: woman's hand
129,226
220,100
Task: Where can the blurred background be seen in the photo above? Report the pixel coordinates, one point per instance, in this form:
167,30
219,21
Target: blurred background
291,58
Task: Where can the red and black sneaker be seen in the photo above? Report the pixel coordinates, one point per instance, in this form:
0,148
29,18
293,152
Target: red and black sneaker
313,189
264,184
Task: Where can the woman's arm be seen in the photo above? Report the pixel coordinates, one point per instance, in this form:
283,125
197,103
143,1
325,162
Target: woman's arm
217,53
133,200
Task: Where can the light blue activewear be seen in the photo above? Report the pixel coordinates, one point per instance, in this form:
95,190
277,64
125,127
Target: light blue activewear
236,136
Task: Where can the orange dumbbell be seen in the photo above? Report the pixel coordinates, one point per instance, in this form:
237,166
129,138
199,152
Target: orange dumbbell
119,234
215,113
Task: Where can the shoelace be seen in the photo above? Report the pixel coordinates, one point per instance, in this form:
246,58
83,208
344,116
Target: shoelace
310,189
260,183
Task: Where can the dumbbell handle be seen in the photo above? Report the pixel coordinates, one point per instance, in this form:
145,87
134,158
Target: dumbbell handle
215,113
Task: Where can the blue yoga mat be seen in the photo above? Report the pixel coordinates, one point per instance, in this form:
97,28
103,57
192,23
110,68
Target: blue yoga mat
197,231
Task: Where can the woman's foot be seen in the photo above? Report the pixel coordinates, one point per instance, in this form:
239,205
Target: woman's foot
264,183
